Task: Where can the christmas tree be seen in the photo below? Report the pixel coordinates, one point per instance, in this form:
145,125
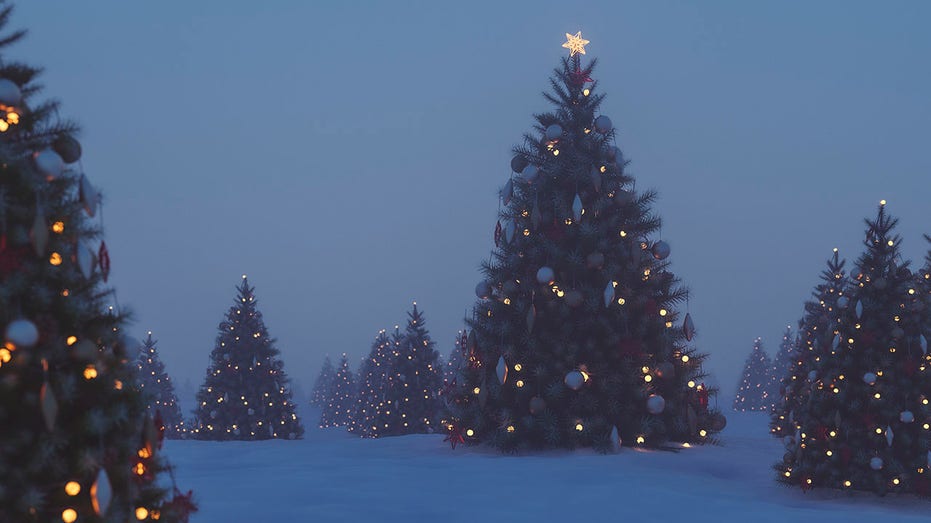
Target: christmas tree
756,386
370,387
338,410
323,385
246,394
159,392
76,442
576,340
819,318
782,362
865,423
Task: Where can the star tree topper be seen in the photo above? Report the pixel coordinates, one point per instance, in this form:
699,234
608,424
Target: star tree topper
575,44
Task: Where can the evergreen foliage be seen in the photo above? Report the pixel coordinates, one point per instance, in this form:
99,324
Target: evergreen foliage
756,386
339,407
324,384
370,386
246,394
579,305
158,389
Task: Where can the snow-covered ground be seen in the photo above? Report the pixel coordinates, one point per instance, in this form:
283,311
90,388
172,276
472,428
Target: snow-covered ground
333,476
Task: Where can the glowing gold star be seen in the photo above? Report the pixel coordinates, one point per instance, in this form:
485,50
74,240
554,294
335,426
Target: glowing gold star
575,44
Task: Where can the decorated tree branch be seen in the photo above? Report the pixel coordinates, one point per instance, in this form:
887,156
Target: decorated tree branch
159,391
754,392
370,387
323,385
339,406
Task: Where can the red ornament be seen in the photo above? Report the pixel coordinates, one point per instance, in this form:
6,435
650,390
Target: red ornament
498,232
103,257
455,435
702,395
578,77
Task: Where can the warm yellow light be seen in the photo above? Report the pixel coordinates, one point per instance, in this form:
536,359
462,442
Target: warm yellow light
58,227
895,481
640,440
877,395
836,390
519,383
621,301
69,515
584,376
518,367
71,340
55,259
808,481
648,378
141,513
879,430
603,169
560,293
575,44
65,293
663,312
579,427
847,483
685,358
586,92
829,453
882,202
555,152
144,453
5,355
645,369
510,428
118,385
476,390
90,372
703,433
787,473
623,234
139,469
691,384
833,434
924,401
470,432
890,243
72,488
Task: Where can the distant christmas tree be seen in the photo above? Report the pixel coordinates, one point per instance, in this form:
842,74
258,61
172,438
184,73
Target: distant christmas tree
756,386
323,385
819,318
783,360
411,403
158,389
246,394
864,425
577,338
76,443
338,410
370,387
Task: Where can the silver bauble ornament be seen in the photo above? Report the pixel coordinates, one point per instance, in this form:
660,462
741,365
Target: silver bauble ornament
537,404
553,132
603,124
483,290
518,163
660,250
842,302
876,463
10,93
869,378
22,333
545,275
68,148
530,174
574,380
656,404
49,164
906,416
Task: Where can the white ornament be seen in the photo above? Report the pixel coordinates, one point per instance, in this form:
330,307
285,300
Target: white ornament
906,416
88,195
86,260
553,132
546,275
483,290
22,333
49,164
502,370
923,342
869,378
876,463
836,343
660,250
530,173
603,124
511,232
859,309
616,441
101,493
655,404
10,93
577,208
889,435
609,294
574,380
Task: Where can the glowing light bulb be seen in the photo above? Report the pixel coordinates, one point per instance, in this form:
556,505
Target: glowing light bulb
90,372
55,259
69,515
470,432
58,227
579,427
141,513
72,488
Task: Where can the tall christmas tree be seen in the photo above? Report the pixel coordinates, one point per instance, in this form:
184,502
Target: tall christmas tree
76,443
370,387
819,317
576,340
411,404
865,424
782,361
158,389
339,406
246,393
323,385
756,385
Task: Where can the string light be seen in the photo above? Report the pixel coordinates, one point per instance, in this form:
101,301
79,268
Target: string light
72,488
69,515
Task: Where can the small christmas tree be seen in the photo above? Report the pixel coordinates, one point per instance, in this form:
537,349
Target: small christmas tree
370,387
577,338
783,360
864,424
756,386
338,410
246,394
411,404
76,443
819,318
158,389
323,385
